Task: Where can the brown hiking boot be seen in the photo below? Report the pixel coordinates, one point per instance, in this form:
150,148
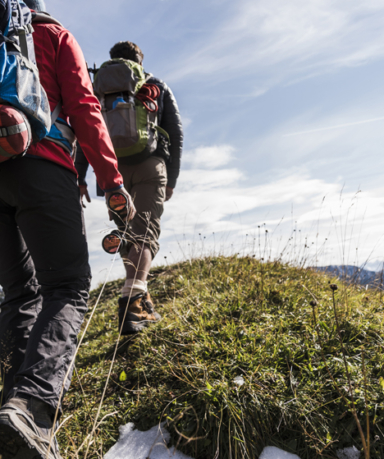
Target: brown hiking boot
140,313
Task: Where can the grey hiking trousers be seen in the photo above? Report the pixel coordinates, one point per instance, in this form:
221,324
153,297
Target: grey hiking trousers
45,275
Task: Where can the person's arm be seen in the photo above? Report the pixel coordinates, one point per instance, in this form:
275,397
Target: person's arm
171,122
81,165
84,112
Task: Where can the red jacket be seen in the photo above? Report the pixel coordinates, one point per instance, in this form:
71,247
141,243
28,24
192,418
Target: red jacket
64,76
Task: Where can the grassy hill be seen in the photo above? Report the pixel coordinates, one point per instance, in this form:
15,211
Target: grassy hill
248,354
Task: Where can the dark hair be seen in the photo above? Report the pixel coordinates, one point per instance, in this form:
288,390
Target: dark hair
127,50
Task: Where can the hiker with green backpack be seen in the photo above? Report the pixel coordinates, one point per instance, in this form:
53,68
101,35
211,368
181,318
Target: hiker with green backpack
145,126
46,100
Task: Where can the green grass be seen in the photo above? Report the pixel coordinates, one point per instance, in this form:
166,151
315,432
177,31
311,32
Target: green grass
224,318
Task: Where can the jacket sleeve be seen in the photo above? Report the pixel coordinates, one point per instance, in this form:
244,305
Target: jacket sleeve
171,122
81,164
84,112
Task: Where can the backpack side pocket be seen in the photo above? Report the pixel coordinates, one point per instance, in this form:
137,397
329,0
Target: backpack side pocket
122,126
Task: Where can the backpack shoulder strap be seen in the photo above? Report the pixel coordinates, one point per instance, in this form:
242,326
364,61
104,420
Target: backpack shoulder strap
148,76
20,27
45,18
56,112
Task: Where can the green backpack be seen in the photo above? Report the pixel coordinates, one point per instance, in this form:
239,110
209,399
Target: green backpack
132,126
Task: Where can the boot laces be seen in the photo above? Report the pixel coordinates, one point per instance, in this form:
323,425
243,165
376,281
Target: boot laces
147,305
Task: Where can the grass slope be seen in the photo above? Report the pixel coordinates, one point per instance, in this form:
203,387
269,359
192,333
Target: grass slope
225,318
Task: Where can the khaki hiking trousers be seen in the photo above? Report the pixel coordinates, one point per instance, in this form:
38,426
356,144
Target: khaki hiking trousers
146,183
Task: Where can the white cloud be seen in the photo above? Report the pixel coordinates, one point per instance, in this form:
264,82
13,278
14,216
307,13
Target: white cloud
227,202
337,126
277,41
186,122
198,179
214,197
346,142
209,157
231,203
217,193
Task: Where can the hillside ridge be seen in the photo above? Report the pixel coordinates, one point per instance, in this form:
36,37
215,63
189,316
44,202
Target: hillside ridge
248,355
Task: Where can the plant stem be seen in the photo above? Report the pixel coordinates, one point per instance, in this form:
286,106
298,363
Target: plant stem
366,406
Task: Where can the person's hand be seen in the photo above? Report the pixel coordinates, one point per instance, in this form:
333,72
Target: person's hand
84,193
168,193
131,206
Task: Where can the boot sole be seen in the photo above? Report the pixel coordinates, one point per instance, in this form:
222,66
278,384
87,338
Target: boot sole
13,446
18,441
131,327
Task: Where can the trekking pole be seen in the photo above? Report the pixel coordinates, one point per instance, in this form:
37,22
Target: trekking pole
93,71
115,241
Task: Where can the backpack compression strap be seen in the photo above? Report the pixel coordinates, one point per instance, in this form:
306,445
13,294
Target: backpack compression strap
56,112
22,29
26,29
22,32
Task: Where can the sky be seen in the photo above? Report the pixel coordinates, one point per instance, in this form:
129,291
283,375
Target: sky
282,106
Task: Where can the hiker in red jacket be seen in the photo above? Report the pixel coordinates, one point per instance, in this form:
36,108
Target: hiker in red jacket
44,268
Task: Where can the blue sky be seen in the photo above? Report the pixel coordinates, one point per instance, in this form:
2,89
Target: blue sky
282,104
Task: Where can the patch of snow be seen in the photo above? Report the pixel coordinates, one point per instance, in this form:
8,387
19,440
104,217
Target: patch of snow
151,444
239,380
271,452
348,453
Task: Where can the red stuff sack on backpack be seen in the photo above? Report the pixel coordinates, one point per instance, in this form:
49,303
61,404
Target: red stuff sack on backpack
15,133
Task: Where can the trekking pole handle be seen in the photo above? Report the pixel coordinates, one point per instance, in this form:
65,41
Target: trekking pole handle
113,242
118,203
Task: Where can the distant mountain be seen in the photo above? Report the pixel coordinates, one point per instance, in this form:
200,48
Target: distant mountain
355,275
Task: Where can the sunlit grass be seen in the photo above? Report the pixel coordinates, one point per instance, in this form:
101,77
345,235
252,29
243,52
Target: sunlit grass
235,365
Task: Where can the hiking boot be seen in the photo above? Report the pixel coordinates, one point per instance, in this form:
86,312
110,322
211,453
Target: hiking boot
140,313
26,429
